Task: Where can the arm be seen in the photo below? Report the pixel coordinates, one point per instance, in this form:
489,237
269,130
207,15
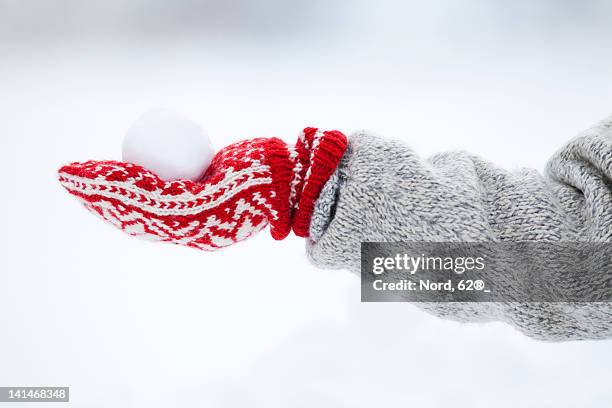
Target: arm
382,191
374,189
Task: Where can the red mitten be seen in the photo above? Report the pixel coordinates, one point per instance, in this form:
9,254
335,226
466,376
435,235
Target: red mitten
248,185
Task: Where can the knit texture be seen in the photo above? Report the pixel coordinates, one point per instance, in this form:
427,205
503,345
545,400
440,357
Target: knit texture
248,185
385,192
322,151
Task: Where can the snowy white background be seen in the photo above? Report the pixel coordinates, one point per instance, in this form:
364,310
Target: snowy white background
129,323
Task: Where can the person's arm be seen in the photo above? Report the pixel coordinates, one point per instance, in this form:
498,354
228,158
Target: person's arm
375,190
382,191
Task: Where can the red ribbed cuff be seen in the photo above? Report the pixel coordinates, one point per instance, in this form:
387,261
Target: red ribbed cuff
325,151
298,175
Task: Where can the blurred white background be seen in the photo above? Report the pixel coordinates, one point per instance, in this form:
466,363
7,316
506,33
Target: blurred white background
129,323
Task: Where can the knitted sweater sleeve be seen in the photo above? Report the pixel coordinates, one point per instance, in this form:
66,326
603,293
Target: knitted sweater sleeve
383,191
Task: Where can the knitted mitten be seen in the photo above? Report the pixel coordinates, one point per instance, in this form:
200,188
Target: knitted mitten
248,185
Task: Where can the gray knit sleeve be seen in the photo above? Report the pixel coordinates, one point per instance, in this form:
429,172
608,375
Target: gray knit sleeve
383,191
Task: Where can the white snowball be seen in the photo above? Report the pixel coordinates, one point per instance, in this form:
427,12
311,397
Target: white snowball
168,144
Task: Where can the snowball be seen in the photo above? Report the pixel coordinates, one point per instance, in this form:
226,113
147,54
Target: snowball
168,144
